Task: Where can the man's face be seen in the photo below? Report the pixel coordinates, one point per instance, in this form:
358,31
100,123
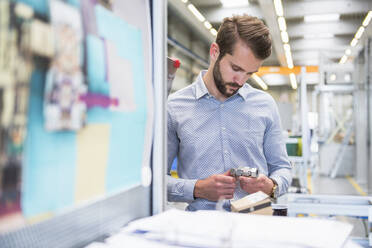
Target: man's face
230,72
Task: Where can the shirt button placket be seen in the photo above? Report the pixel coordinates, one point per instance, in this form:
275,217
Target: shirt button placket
225,147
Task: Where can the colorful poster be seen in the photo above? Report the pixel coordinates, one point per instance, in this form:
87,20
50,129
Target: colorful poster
64,108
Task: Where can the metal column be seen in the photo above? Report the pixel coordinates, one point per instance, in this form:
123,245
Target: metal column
360,122
305,128
159,21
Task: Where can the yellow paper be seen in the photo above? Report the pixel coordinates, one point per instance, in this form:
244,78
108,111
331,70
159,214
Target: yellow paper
92,159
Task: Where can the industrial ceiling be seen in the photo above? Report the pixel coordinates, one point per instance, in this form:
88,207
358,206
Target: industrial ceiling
319,31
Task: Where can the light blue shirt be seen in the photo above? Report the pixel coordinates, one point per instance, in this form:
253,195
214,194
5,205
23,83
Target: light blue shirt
210,137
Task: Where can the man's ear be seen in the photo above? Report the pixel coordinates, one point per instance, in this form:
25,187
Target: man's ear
214,51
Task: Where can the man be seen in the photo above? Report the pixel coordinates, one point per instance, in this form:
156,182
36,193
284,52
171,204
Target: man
219,122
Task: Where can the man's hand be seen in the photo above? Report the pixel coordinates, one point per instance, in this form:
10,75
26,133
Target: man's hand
216,187
252,185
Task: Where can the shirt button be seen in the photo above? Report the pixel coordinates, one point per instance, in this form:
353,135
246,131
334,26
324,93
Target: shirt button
223,128
221,105
226,151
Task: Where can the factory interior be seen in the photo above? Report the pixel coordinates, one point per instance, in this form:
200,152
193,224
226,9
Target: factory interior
100,142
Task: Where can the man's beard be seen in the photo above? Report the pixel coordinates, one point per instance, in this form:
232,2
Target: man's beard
220,83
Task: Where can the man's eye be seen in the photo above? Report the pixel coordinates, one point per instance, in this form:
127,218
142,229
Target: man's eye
236,69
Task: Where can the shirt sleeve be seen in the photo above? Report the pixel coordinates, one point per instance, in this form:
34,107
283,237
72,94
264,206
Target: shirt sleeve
178,189
279,167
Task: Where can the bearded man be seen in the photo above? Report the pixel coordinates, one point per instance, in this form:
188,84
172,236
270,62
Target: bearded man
220,122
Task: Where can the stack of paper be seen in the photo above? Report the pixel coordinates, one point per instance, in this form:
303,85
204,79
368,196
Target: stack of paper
176,228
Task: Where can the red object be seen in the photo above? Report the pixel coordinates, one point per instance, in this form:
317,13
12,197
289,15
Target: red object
176,63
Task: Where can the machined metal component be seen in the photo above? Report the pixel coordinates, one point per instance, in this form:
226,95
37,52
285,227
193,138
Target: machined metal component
244,171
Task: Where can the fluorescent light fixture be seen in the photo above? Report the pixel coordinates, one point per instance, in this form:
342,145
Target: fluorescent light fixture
287,48
367,19
359,33
207,25
348,51
290,64
185,1
343,59
322,18
259,81
332,77
284,36
213,31
292,78
234,3
282,24
288,56
347,77
196,12
319,36
278,7
353,42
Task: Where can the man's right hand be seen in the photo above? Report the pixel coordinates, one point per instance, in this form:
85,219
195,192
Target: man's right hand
215,187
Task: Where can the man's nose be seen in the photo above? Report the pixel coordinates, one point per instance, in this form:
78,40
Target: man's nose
240,79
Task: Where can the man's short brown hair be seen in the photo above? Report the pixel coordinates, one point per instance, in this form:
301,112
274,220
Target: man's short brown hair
251,30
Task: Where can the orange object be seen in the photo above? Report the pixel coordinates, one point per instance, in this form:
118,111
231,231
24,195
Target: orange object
285,70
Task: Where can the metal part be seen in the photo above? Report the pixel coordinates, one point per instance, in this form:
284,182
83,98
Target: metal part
244,172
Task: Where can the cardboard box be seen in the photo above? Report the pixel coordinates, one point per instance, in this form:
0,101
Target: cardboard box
256,203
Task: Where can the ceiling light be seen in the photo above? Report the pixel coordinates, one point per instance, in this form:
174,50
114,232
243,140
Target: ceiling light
260,82
347,77
213,31
284,36
207,25
322,18
343,59
332,77
353,42
288,53
292,78
278,7
185,1
359,33
290,64
234,3
282,25
196,12
367,19
348,51
287,48
288,57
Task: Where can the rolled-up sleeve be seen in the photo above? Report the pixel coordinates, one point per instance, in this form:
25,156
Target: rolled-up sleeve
279,167
178,190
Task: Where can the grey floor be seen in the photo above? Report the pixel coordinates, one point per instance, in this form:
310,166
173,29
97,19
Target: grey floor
339,186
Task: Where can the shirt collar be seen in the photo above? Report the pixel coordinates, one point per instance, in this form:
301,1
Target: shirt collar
244,91
201,89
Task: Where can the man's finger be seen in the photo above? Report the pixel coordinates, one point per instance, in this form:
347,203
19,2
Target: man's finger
247,179
225,179
227,196
227,173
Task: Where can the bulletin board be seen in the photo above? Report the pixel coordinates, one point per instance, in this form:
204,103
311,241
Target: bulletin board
63,170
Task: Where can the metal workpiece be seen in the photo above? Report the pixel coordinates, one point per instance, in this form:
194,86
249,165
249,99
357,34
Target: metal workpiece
244,171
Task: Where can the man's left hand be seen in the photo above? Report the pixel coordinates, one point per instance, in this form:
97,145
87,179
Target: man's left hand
252,184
